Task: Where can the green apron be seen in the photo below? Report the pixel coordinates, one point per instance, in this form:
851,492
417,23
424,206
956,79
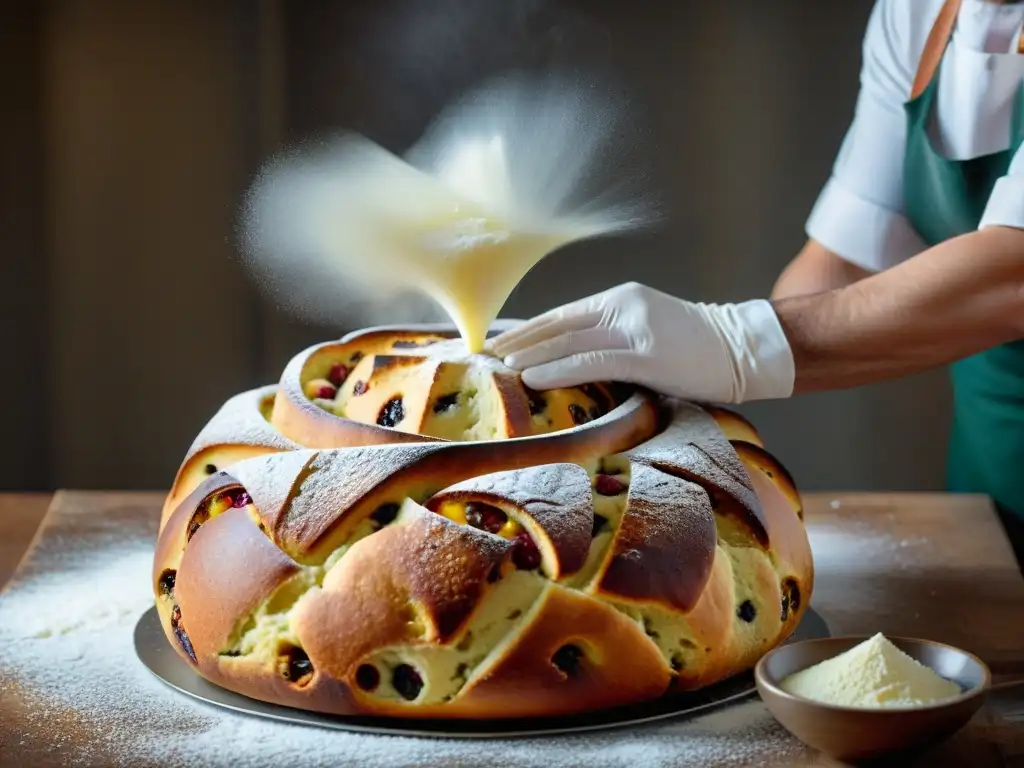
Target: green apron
945,199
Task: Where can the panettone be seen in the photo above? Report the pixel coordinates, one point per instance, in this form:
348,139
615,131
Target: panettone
399,528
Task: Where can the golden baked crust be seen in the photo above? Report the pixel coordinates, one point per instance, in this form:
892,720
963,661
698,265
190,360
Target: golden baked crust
532,554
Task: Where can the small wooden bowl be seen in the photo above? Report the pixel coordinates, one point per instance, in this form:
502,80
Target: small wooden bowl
847,733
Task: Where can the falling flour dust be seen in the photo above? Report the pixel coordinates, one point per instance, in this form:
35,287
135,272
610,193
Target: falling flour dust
345,232
71,686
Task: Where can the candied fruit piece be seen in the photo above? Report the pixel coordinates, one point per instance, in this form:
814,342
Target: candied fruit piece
210,508
338,374
360,388
407,681
454,511
606,485
525,554
392,413
210,469
356,357
222,502
485,517
240,498
320,389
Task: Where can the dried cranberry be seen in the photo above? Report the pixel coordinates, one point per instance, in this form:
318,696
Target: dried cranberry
338,374
367,677
392,413
525,554
360,388
240,499
446,402
167,583
325,392
356,357
567,659
485,517
747,611
407,682
579,416
606,485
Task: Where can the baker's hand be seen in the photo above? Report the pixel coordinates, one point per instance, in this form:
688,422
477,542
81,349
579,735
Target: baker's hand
724,353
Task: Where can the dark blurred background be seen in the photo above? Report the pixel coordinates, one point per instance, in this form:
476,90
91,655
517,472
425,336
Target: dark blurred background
131,129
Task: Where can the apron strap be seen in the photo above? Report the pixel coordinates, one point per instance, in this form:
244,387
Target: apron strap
935,46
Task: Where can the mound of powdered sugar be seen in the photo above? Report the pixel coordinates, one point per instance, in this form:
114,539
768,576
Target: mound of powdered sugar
72,691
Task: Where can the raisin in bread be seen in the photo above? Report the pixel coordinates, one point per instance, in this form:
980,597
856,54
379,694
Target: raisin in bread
400,529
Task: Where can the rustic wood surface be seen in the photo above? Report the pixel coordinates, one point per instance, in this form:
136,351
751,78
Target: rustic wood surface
920,565
20,516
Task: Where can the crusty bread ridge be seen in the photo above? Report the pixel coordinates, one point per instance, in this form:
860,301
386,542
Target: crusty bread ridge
530,554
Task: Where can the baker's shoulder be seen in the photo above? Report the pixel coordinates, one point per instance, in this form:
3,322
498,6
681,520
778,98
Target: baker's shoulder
903,24
896,35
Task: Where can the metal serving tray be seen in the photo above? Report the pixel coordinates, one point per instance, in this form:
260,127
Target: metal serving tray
157,655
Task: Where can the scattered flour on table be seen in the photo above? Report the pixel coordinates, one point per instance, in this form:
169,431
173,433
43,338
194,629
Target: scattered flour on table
861,546
69,675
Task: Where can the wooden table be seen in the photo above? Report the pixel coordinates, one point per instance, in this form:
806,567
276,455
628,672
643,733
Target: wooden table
923,565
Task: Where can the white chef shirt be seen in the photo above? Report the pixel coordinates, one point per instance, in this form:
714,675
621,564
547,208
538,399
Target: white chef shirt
859,214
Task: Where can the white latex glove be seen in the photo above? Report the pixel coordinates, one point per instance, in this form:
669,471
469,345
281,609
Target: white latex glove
724,353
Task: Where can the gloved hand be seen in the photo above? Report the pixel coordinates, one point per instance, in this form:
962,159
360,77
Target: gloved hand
724,353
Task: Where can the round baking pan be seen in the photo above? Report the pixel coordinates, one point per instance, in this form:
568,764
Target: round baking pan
157,655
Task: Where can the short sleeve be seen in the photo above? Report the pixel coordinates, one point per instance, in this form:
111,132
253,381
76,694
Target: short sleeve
1005,205
859,214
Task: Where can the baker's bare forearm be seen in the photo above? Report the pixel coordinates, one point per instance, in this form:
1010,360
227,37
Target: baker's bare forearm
816,269
954,300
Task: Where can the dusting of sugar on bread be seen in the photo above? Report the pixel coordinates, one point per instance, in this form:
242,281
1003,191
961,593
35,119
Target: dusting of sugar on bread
499,564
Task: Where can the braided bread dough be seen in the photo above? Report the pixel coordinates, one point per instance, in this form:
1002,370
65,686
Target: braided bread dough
400,529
